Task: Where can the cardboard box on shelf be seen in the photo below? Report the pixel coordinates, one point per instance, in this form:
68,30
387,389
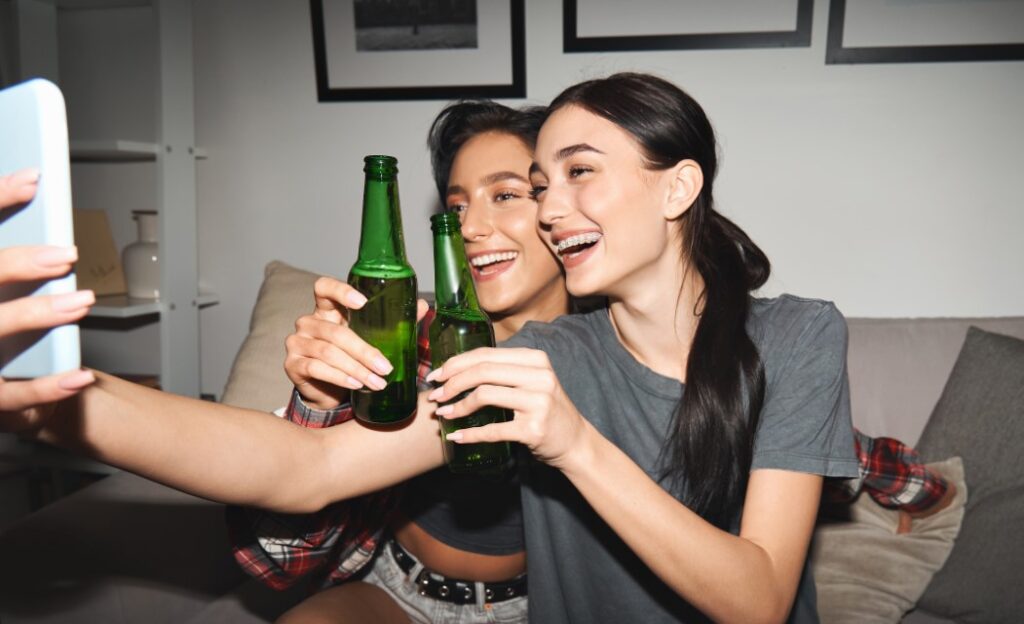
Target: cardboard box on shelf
99,263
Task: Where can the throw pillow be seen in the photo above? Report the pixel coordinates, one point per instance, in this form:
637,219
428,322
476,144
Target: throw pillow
980,417
867,573
257,379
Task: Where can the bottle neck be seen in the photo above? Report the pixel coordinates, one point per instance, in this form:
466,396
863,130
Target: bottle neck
453,282
381,241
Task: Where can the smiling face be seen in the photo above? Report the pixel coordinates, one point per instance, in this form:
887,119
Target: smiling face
514,272
611,220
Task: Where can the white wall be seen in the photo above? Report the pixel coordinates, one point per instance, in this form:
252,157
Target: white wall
891,189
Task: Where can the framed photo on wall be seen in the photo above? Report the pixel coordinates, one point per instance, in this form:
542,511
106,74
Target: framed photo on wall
642,25
906,31
418,49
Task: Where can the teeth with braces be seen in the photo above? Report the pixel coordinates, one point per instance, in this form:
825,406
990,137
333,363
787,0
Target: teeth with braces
579,239
481,261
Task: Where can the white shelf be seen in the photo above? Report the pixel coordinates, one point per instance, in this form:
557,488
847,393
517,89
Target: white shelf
114,150
123,306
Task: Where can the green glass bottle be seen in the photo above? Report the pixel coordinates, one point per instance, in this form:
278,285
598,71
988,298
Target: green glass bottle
460,325
382,273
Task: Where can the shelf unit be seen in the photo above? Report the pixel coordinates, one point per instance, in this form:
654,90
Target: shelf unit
173,155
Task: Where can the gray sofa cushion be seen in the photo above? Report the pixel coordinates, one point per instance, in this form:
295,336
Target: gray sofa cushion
980,417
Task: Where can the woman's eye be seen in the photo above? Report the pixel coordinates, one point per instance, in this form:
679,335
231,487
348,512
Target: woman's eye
457,208
576,171
537,191
505,196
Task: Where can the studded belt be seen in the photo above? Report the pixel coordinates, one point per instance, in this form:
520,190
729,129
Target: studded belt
458,591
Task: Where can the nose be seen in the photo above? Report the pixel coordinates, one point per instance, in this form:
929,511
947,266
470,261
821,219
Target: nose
476,225
552,206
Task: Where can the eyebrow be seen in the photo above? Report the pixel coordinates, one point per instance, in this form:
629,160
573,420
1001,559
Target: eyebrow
498,176
566,152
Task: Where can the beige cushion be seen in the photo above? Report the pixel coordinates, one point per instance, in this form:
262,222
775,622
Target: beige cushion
867,573
257,379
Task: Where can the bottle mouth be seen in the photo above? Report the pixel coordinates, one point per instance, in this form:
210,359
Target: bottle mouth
379,163
445,222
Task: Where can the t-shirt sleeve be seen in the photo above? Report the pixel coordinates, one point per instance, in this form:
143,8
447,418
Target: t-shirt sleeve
805,422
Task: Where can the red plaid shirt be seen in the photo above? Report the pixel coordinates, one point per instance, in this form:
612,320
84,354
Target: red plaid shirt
280,549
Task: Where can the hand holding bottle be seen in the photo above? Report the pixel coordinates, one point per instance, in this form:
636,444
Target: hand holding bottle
325,358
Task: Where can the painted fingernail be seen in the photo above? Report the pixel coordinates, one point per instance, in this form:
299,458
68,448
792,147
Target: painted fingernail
444,410
454,436
354,383
25,176
355,299
73,301
435,394
76,380
56,256
381,365
376,382
434,374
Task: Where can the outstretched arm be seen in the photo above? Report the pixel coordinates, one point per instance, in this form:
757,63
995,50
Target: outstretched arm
235,455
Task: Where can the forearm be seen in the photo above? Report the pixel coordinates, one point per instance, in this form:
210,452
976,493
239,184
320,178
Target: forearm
211,450
700,562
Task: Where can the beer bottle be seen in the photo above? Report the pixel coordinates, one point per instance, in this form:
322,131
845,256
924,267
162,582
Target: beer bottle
460,325
382,273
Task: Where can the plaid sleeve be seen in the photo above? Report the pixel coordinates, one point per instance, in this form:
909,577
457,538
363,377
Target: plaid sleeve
893,475
279,549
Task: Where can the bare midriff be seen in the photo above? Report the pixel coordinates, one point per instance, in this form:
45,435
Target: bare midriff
454,562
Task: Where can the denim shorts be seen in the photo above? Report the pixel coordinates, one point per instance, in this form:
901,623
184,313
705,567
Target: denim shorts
385,573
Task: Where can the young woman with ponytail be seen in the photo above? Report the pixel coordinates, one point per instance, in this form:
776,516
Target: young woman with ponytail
678,438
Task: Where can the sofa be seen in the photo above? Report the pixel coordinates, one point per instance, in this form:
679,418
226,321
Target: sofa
126,549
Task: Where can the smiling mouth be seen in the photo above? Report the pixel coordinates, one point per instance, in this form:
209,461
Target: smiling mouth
577,244
493,262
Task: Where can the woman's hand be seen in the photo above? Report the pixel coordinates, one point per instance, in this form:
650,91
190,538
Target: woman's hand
521,380
326,359
25,404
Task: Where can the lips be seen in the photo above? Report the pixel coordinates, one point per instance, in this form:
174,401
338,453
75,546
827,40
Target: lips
574,247
489,264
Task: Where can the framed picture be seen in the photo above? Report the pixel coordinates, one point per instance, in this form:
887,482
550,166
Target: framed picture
418,49
912,31
639,25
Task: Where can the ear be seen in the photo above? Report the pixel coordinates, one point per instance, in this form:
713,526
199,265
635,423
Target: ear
686,179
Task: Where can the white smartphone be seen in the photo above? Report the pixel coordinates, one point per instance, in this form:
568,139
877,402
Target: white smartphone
34,133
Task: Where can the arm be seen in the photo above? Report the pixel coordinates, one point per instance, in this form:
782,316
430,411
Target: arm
235,455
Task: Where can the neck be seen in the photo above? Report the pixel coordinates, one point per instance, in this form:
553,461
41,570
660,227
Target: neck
552,303
657,325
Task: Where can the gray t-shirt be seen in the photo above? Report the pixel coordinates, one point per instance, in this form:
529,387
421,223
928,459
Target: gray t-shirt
579,569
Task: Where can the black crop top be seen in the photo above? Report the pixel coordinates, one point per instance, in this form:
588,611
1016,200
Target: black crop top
469,512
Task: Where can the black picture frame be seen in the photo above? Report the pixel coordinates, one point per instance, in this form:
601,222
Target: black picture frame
837,54
798,38
514,89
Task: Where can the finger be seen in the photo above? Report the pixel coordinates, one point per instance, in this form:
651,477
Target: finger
312,358
20,395
34,262
534,378
514,399
905,523
42,311
18,187
333,296
422,307
476,357
495,432
349,343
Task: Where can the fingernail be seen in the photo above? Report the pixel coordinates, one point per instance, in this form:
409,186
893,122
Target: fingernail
56,256
381,365
76,380
435,394
376,382
444,410
73,301
25,176
354,383
434,374
454,436
355,299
